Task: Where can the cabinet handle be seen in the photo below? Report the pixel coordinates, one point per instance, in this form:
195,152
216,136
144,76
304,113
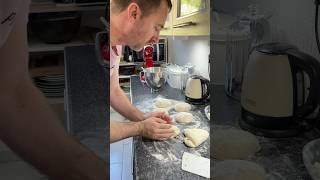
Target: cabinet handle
190,23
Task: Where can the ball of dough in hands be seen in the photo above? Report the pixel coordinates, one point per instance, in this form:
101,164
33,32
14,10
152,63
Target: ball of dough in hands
161,110
195,137
238,169
234,144
182,107
176,131
163,103
184,117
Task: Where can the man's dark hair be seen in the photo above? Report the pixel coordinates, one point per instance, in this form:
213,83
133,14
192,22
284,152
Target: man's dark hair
146,6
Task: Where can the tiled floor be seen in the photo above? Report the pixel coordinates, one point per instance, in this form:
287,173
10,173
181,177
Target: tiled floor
13,168
121,160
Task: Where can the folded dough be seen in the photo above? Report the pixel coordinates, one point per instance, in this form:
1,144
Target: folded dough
163,103
182,107
184,117
176,131
195,137
161,110
234,144
238,169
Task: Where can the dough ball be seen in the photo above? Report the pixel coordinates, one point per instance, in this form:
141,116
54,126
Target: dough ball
182,107
184,117
238,169
176,131
234,144
161,110
163,103
195,137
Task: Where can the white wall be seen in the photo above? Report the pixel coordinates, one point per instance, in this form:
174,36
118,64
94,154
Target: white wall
194,50
293,22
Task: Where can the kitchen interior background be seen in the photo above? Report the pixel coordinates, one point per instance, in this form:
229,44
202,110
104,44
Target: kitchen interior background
291,21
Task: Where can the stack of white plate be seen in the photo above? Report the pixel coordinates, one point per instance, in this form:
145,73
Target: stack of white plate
51,85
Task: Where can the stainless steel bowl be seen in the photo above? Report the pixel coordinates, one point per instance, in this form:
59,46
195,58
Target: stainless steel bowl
155,77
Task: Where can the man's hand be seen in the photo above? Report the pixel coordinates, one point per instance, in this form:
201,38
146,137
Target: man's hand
161,115
155,128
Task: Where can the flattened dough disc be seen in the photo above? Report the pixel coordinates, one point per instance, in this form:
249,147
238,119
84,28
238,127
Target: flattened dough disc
195,137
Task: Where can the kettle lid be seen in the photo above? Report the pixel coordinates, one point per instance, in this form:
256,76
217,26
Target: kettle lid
275,48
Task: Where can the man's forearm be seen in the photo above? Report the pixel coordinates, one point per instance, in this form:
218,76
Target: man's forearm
29,127
120,130
120,102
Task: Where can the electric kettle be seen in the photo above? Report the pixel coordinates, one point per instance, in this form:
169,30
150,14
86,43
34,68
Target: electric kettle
197,90
280,89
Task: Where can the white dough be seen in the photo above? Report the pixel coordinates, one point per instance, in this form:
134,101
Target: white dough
195,137
184,117
182,107
234,144
176,131
161,110
238,169
163,103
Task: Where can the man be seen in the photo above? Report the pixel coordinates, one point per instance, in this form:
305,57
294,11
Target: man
135,23
27,124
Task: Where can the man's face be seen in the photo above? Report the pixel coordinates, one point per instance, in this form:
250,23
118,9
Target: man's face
145,30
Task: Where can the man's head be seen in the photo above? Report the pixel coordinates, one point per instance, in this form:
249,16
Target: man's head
142,20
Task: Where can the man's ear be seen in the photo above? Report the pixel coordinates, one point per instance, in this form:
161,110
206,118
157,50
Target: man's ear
134,12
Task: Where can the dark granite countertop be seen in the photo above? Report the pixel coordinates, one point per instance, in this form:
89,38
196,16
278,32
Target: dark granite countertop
87,98
162,159
281,157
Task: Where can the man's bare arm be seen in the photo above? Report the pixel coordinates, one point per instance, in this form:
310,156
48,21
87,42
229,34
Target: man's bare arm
29,127
152,128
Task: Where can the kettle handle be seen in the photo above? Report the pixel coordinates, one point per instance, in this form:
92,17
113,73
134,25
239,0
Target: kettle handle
205,83
311,66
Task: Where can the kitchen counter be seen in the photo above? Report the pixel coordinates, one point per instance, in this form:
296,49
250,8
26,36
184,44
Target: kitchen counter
162,159
282,157
86,99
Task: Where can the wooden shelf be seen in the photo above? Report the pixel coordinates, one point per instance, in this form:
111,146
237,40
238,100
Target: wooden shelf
55,100
124,76
53,7
43,71
35,45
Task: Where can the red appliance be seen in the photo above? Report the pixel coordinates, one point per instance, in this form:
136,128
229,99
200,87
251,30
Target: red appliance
148,59
148,56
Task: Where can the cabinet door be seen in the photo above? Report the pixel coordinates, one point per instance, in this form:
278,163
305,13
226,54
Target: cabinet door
191,17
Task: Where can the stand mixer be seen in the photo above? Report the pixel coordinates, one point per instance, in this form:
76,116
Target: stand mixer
154,77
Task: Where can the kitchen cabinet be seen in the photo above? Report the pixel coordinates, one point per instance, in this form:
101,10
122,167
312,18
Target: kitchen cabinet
191,18
48,59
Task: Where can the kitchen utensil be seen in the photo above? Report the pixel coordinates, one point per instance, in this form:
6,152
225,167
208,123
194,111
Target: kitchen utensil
55,27
280,89
207,111
196,164
311,158
230,45
177,76
154,77
197,89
